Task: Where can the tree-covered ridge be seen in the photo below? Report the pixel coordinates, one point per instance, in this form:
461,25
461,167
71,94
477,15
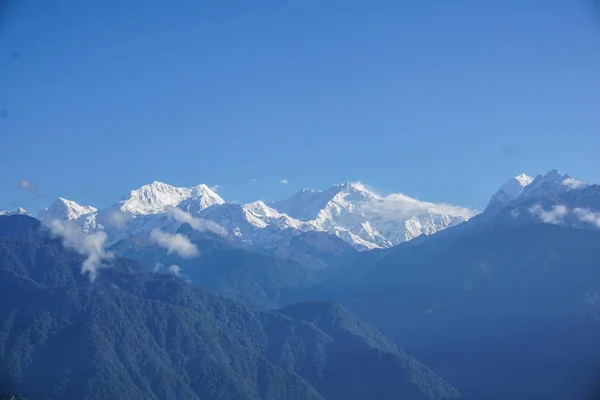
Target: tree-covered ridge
139,335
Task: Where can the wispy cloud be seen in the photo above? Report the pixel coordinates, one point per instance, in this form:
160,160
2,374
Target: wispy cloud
175,270
284,181
157,267
27,186
587,215
574,183
117,219
199,224
253,181
174,243
215,188
400,206
90,245
553,216
362,186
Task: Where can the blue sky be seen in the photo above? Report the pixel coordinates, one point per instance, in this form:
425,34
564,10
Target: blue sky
440,100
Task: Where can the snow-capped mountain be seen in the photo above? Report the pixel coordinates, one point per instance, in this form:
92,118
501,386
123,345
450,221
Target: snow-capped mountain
550,198
157,196
523,188
136,213
349,211
510,191
19,211
66,210
551,184
368,220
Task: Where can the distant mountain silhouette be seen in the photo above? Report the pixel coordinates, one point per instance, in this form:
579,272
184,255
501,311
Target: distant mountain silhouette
140,335
502,311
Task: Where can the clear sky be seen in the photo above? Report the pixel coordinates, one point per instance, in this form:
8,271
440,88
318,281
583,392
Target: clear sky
441,100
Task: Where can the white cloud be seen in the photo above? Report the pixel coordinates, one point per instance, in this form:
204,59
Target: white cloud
361,186
587,215
174,243
252,181
574,183
92,246
199,224
157,267
175,270
284,181
27,186
400,206
117,219
215,188
553,216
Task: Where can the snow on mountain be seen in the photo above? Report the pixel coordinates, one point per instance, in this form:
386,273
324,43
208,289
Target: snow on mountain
253,223
349,210
551,184
65,210
367,220
522,188
18,211
157,196
270,216
510,191
308,204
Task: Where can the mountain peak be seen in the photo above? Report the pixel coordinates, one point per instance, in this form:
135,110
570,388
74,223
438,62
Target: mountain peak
154,198
18,211
357,186
523,179
65,209
352,191
548,184
510,191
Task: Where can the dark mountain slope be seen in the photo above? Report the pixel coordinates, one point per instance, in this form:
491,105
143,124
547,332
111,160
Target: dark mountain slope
504,312
239,273
398,376
315,250
139,335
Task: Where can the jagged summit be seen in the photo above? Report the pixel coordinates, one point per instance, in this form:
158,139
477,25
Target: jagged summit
523,179
65,209
523,187
349,210
510,191
18,211
551,184
155,197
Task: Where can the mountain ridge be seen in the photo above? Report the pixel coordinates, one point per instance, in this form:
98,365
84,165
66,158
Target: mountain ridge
348,210
139,334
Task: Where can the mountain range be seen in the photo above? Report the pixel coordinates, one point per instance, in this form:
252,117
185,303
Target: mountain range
136,334
350,211
502,304
505,305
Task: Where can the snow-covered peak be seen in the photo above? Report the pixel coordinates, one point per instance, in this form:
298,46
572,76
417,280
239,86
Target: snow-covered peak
18,211
64,209
349,210
550,184
523,187
523,179
510,191
154,198
307,204
201,198
260,209
352,191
